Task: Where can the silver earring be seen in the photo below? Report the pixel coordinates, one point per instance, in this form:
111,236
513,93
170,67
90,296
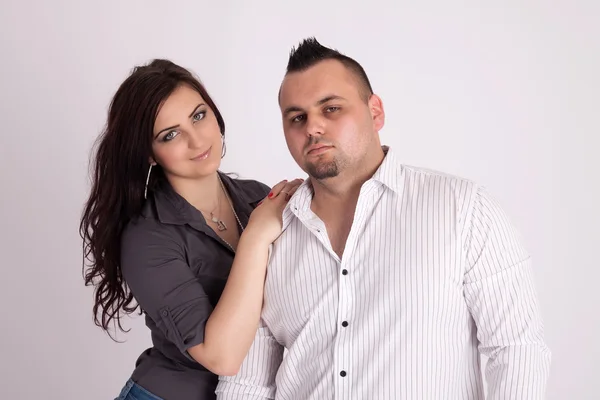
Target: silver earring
147,180
223,146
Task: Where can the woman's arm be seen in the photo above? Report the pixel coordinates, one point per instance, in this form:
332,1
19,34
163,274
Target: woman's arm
232,325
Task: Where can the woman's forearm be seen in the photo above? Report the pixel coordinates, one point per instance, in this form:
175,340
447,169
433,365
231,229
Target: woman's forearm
232,325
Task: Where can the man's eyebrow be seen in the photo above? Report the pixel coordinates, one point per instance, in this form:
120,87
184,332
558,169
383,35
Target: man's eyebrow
292,109
329,98
322,101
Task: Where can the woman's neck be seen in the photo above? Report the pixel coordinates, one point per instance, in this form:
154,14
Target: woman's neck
204,193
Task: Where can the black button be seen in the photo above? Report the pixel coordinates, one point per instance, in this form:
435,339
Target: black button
345,324
343,373
344,272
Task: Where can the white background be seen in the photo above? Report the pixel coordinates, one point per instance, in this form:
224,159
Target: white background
505,93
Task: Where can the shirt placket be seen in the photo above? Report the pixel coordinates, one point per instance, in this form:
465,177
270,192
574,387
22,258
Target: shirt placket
345,343
343,367
316,226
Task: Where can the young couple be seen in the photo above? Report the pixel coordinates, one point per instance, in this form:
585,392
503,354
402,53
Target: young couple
383,281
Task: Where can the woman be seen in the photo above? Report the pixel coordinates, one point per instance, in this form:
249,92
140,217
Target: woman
162,226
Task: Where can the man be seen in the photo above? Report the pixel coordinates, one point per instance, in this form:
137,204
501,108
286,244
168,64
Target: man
389,280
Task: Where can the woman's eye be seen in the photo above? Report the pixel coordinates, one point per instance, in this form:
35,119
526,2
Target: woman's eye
169,136
199,115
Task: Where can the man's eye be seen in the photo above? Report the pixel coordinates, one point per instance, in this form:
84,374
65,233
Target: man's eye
298,118
332,109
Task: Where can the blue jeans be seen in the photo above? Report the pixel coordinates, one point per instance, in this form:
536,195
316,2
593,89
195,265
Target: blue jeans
133,391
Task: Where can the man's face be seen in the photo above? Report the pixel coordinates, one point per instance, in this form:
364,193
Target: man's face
329,125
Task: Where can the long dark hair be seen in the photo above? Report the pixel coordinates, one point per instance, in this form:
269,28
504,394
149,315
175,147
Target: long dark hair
119,168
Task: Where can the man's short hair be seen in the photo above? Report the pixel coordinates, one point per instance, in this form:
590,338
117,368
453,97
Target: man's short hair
310,52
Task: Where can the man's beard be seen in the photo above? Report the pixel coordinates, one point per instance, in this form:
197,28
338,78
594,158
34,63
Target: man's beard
323,170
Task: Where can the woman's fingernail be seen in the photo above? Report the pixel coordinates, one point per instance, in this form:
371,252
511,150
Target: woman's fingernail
270,194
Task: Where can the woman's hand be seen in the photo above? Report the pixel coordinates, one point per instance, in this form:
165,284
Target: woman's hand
266,222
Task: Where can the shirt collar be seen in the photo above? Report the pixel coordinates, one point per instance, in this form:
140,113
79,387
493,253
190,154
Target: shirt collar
390,173
171,208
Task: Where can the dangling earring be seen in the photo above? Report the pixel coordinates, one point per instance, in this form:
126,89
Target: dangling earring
223,146
147,180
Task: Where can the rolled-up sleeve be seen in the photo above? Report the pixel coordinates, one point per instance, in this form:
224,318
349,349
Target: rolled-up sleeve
154,268
256,378
501,296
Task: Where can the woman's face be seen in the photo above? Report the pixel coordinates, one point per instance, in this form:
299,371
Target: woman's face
186,141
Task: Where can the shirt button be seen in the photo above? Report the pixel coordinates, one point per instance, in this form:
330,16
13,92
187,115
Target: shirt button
344,272
165,313
345,324
343,374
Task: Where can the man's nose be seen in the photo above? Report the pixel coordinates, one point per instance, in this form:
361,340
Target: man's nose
315,126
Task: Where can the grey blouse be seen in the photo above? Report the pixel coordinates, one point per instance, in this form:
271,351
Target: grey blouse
176,267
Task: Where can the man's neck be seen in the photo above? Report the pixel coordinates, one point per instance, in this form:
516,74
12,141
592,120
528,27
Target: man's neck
335,199
344,189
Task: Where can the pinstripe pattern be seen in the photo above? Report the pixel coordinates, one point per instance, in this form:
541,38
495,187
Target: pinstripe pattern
432,274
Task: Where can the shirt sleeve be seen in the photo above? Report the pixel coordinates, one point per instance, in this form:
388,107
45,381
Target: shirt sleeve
501,297
256,378
263,189
155,269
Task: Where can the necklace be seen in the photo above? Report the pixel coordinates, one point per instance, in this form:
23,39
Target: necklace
232,209
221,226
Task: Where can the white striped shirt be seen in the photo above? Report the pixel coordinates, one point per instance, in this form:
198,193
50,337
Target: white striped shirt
432,274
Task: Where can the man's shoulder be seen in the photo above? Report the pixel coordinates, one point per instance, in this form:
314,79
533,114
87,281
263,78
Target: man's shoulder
428,175
423,182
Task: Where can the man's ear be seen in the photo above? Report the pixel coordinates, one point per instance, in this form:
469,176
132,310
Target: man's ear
377,112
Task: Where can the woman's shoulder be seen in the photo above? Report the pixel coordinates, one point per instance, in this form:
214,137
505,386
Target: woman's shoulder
147,228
